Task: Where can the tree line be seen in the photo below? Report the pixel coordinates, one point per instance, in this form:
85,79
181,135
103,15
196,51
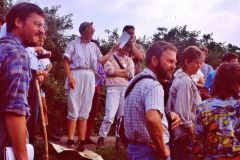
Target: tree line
58,25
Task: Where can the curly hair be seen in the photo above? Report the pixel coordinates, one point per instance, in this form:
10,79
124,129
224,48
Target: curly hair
227,81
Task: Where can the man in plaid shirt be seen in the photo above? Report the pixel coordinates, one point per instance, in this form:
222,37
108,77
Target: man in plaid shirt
25,22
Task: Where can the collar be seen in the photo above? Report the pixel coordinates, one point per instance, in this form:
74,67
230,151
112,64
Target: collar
14,38
150,72
81,41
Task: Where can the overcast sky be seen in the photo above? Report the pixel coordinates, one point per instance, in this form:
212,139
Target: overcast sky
220,17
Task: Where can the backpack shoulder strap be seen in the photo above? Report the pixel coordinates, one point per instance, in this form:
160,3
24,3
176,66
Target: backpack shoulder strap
130,87
118,62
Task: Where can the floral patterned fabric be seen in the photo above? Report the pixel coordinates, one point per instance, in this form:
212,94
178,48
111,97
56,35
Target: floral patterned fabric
217,129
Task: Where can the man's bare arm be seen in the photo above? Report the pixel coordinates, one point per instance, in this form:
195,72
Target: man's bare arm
16,127
66,65
155,130
105,58
137,53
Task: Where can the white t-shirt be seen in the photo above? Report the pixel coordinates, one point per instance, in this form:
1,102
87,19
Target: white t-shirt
195,77
34,63
44,63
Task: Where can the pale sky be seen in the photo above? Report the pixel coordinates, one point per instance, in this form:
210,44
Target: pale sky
220,17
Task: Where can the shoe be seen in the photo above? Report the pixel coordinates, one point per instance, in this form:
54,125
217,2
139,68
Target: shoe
52,136
81,146
100,141
70,144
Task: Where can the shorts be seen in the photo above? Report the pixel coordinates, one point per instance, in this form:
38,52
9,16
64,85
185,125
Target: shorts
79,100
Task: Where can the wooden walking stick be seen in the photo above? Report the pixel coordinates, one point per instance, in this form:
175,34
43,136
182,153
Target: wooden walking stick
43,121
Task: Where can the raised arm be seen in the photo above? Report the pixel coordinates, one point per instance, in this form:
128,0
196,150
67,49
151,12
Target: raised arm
138,52
105,58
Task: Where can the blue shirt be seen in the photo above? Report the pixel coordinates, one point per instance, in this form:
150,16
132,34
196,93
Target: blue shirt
102,74
209,81
14,82
206,69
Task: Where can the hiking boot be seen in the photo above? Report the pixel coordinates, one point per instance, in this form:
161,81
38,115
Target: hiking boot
81,146
89,141
100,141
70,144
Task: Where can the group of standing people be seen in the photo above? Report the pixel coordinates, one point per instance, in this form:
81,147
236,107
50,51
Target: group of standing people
82,61
197,129
160,122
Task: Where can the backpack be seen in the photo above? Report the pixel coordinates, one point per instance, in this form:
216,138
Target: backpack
120,130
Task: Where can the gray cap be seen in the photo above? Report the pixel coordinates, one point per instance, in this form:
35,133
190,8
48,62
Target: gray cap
83,26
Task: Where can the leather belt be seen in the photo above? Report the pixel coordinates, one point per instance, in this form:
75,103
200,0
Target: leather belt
138,143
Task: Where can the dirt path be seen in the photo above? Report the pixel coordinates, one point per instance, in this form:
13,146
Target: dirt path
109,142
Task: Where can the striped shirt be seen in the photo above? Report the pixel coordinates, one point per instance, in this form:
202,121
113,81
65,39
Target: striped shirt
111,65
82,55
183,99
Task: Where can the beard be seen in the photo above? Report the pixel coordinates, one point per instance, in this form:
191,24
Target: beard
163,73
30,44
30,40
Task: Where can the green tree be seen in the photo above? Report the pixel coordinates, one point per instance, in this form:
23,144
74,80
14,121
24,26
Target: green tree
144,41
233,48
206,39
105,45
5,5
56,28
178,36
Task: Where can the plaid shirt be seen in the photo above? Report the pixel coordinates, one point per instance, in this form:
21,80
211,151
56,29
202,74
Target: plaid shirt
14,76
147,94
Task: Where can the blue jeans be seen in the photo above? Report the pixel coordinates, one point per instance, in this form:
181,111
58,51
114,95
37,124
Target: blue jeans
142,152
